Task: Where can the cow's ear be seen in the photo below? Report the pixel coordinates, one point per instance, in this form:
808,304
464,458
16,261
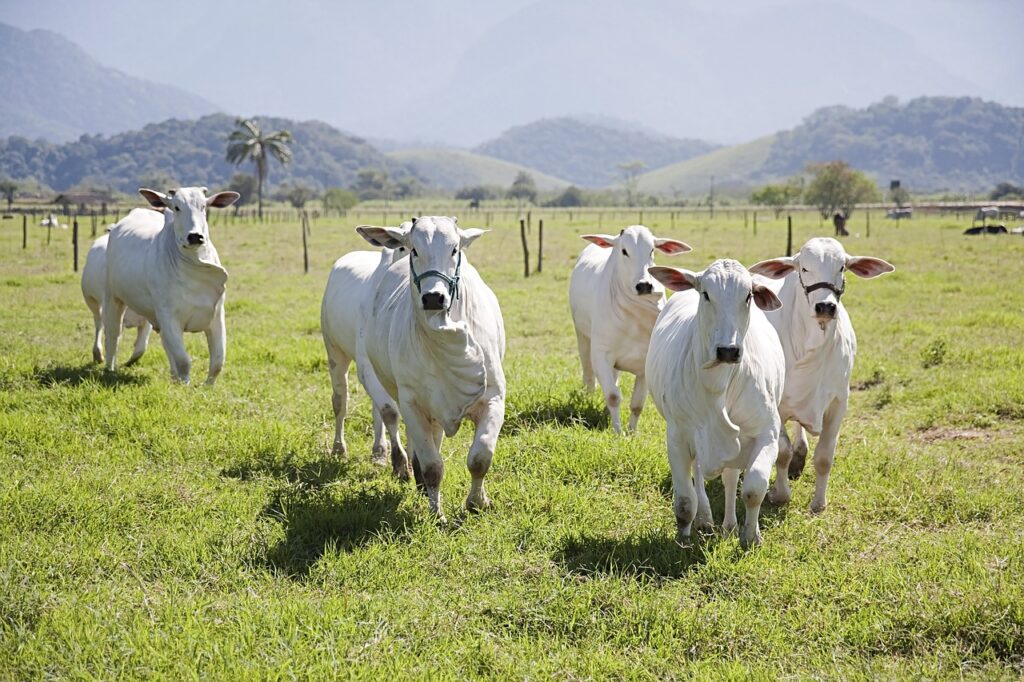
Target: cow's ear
765,298
671,247
222,199
868,267
470,235
675,279
776,268
605,241
389,237
155,199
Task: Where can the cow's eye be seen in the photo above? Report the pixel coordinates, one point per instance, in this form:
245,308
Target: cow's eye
454,251
705,295
176,208
414,253
750,296
803,269
624,253
842,268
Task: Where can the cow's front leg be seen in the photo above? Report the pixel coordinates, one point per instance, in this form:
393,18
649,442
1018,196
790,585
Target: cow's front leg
704,520
608,377
730,479
825,452
427,460
216,341
141,343
636,402
173,339
781,493
799,450
482,452
389,414
684,497
113,316
755,485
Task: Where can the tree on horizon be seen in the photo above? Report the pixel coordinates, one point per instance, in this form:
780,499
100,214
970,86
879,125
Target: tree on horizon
249,143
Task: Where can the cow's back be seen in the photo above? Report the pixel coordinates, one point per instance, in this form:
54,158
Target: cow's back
132,259
348,288
585,286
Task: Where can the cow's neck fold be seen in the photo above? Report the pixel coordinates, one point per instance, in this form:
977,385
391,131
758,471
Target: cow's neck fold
202,264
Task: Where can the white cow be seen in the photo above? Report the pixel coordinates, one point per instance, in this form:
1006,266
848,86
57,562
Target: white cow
818,339
614,305
163,265
348,296
716,369
53,221
94,283
435,339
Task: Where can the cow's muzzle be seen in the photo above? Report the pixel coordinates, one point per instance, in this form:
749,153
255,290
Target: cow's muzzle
195,239
433,300
825,309
728,354
643,288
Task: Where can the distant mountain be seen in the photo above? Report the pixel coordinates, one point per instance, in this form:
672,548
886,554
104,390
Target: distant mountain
928,143
588,153
51,88
454,168
190,152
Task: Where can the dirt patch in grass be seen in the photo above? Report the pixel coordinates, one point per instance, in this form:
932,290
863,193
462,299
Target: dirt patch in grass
945,433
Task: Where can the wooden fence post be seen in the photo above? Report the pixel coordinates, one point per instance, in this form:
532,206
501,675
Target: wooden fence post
305,249
526,248
540,244
24,230
74,240
867,219
789,235
755,223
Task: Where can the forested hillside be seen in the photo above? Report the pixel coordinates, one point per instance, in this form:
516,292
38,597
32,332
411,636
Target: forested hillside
929,143
186,152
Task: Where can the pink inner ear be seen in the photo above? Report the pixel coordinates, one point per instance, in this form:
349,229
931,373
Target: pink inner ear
765,299
600,241
868,267
673,247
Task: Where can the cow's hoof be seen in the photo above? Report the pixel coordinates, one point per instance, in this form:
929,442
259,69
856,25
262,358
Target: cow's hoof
750,540
818,507
728,529
339,449
778,497
478,504
379,457
97,357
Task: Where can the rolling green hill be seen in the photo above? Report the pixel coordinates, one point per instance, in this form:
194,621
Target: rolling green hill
455,168
732,167
585,153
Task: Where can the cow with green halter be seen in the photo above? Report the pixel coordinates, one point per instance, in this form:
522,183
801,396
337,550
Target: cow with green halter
435,339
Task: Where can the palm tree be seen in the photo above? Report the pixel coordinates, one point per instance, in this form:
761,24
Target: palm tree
248,143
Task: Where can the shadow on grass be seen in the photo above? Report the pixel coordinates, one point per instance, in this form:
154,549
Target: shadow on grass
316,522
576,409
270,464
66,375
655,557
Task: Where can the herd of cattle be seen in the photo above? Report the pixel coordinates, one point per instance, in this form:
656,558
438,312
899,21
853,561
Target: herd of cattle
728,360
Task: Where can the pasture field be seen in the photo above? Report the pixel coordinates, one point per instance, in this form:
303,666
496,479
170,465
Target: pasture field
184,532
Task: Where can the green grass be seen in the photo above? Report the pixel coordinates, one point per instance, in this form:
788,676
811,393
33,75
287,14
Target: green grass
149,529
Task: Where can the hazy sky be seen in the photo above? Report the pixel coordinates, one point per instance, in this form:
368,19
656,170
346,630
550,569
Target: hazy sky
460,71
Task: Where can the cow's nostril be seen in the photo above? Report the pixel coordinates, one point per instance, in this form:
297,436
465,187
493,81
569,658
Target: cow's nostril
727,353
433,301
195,238
644,288
825,309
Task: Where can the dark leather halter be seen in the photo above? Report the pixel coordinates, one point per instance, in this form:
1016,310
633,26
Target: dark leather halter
837,290
451,282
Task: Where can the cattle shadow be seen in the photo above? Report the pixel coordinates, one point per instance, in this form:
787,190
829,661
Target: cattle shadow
316,522
771,514
652,557
68,375
309,475
576,409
